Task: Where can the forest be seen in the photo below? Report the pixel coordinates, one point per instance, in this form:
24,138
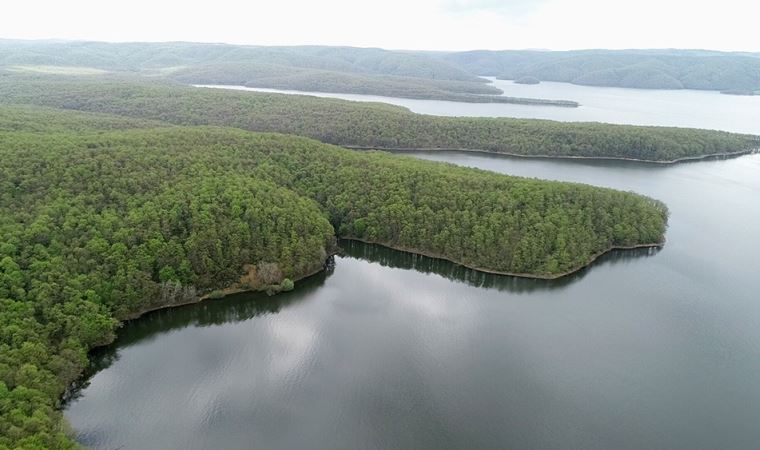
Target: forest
288,78
643,69
326,69
102,217
362,124
141,56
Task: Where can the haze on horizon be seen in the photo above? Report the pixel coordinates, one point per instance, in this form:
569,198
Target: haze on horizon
398,24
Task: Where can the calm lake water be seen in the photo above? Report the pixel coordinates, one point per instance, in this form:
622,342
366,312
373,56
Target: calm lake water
644,349
680,108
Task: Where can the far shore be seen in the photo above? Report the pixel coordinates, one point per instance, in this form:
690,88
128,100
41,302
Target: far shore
232,290
558,157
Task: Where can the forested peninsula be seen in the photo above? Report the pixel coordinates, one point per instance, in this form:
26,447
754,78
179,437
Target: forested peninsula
102,217
367,125
284,78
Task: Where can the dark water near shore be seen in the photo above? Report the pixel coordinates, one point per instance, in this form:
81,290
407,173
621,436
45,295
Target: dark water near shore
644,349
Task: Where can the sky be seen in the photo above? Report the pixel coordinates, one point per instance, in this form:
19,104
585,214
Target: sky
729,25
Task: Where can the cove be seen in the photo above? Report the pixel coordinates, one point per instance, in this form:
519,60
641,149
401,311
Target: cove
646,348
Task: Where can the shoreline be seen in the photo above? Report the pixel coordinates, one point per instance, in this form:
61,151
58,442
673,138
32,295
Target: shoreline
588,263
225,293
235,290
457,97
558,157
232,291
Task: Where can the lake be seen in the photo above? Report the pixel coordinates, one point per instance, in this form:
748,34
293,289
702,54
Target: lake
678,108
643,349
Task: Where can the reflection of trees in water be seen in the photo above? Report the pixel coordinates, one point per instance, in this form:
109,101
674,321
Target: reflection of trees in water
234,308
240,307
455,272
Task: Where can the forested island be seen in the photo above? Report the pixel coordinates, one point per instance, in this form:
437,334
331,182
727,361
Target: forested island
103,217
527,80
749,92
366,125
326,81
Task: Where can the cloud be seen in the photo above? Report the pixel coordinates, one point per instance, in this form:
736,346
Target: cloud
397,24
497,6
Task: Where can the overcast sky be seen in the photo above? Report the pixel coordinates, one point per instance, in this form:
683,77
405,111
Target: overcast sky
397,24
